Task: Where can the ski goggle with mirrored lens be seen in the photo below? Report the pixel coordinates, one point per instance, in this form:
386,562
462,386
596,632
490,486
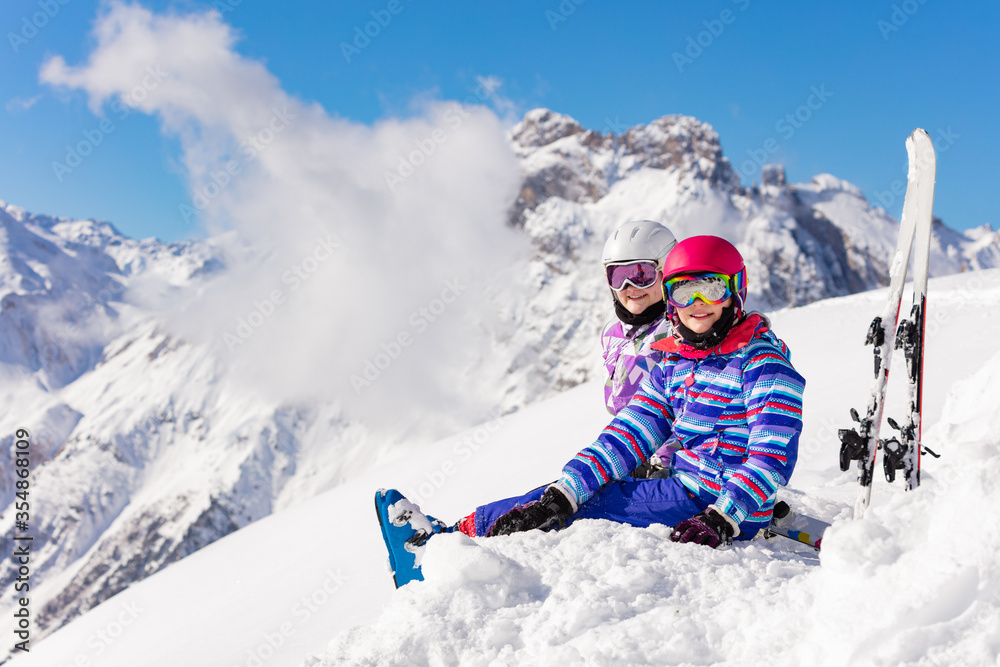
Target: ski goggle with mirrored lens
711,288
638,274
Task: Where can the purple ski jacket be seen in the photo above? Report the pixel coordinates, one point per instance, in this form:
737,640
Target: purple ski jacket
629,358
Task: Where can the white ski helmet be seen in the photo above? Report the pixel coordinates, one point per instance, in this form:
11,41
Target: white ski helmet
638,240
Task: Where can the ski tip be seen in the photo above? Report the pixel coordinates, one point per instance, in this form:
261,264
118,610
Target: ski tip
920,138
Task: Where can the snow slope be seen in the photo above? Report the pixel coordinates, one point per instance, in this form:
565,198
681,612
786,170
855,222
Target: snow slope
914,583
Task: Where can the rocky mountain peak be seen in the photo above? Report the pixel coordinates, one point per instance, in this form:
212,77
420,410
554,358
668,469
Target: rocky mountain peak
562,159
541,127
680,142
773,174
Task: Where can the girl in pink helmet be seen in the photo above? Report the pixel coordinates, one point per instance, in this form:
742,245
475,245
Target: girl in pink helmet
725,393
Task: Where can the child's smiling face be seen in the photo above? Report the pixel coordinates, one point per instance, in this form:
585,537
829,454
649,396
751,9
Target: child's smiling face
700,316
636,299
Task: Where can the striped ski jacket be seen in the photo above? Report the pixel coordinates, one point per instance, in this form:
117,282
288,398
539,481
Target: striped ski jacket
735,411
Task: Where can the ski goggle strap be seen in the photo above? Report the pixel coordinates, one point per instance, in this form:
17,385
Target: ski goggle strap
638,274
738,283
711,288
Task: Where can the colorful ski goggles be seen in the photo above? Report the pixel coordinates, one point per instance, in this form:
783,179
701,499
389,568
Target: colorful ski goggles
638,274
711,288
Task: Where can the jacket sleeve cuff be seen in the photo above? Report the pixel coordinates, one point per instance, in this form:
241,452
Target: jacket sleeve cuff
570,496
730,520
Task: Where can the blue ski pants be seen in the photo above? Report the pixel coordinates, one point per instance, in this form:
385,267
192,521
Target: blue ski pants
637,502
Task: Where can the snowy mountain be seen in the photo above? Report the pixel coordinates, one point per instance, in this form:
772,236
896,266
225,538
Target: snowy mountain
913,583
142,452
801,242
61,281
148,446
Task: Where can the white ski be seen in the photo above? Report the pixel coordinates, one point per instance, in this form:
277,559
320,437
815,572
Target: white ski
905,453
862,444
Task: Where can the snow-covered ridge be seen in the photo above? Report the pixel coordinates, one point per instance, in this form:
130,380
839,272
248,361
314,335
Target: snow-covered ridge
62,283
148,450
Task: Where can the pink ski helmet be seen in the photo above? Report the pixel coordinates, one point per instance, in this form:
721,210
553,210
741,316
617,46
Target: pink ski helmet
708,254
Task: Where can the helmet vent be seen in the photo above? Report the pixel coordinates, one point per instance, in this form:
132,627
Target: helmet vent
638,240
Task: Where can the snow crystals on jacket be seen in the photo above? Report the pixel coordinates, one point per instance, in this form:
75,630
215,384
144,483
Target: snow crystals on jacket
629,358
735,411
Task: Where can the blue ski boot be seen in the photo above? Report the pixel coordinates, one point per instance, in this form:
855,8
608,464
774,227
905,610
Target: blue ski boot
405,530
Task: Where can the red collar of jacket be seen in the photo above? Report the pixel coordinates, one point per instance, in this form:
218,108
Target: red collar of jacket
737,338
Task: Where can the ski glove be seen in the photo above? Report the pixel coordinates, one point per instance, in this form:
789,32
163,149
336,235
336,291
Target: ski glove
548,512
710,528
653,468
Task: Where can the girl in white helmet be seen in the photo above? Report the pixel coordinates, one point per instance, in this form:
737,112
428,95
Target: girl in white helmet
633,266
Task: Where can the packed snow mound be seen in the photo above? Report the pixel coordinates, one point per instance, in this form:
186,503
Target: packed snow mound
597,593
914,583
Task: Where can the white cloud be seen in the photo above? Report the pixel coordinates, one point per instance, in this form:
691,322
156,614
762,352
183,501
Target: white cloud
291,181
20,104
487,86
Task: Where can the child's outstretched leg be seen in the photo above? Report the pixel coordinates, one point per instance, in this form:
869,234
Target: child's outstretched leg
479,522
637,502
405,530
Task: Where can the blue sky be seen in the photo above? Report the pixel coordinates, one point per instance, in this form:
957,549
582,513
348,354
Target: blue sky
819,87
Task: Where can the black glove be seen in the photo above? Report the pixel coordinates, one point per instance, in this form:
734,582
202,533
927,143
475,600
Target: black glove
548,512
709,528
650,469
